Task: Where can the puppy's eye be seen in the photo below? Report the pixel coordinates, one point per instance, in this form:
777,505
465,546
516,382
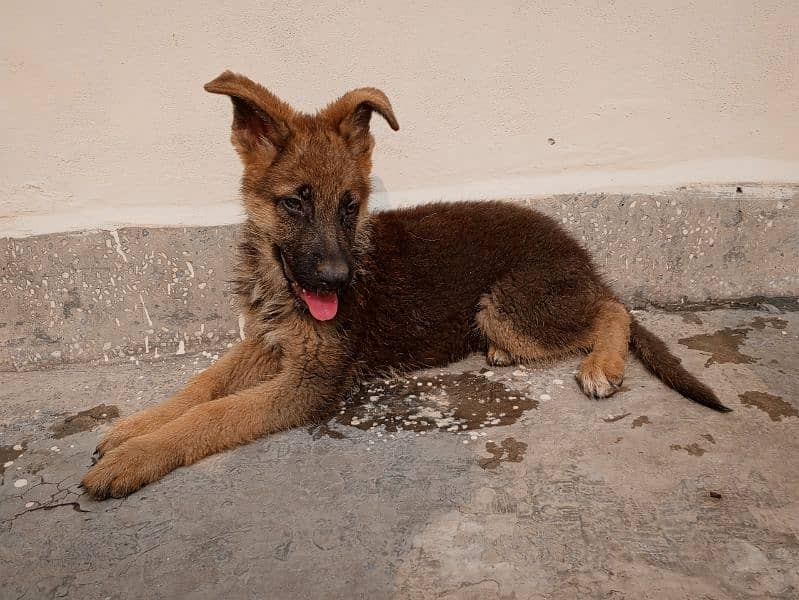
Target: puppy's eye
291,204
351,206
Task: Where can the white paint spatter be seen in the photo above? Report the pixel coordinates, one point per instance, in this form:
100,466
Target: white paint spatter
118,245
181,348
241,327
144,307
191,269
8,464
20,483
29,504
147,344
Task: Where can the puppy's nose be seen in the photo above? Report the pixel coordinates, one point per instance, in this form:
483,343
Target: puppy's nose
333,273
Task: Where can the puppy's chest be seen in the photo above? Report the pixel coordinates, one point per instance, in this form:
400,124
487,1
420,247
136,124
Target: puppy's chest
274,317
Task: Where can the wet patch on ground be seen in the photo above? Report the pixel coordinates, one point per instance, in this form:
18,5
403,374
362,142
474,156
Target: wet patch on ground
8,454
640,421
774,406
510,450
722,345
85,420
465,402
692,449
761,322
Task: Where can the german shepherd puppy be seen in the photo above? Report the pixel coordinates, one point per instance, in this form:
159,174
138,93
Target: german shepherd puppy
332,294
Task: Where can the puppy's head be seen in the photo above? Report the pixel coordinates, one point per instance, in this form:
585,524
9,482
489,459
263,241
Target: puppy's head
306,181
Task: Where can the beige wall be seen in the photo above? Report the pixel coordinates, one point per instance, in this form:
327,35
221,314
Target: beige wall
104,121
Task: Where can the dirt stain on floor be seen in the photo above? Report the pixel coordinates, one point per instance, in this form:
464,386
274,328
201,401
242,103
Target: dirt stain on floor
774,406
8,454
319,430
510,450
761,322
614,418
455,403
85,420
692,449
641,421
722,345
690,317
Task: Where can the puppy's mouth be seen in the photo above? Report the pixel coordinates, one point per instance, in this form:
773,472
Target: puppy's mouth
323,305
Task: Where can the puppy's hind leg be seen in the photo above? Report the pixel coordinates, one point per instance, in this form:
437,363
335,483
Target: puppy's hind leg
533,316
602,371
522,334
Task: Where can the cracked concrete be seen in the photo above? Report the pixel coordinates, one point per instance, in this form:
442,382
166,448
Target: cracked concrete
644,495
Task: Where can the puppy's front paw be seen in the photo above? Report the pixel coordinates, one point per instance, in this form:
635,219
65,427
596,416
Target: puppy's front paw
127,468
496,357
129,427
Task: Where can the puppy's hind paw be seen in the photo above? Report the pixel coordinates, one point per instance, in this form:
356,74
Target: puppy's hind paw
598,378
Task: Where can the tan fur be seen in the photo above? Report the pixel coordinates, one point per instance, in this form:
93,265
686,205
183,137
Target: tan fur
497,357
244,366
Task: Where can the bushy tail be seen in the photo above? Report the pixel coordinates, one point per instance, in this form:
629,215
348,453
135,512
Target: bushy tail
665,366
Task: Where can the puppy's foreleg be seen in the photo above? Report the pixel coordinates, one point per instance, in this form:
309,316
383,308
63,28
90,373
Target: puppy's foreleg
245,365
287,400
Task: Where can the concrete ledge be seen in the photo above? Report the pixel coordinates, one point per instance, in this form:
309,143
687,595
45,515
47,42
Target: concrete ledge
140,294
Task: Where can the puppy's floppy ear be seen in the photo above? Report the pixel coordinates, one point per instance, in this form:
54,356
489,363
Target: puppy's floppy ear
261,120
350,116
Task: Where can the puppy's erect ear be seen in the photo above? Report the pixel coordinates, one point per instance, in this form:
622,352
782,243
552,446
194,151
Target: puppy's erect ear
261,120
351,113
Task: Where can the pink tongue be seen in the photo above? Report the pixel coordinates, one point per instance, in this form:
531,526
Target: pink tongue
323,307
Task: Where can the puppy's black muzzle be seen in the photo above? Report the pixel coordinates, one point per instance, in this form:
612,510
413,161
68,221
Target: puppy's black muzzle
331,274
328,274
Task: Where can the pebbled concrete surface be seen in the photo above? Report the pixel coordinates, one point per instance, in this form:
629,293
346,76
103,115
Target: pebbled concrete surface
140,293
643,495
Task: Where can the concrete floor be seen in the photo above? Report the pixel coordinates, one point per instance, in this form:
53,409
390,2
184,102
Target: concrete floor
420,490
